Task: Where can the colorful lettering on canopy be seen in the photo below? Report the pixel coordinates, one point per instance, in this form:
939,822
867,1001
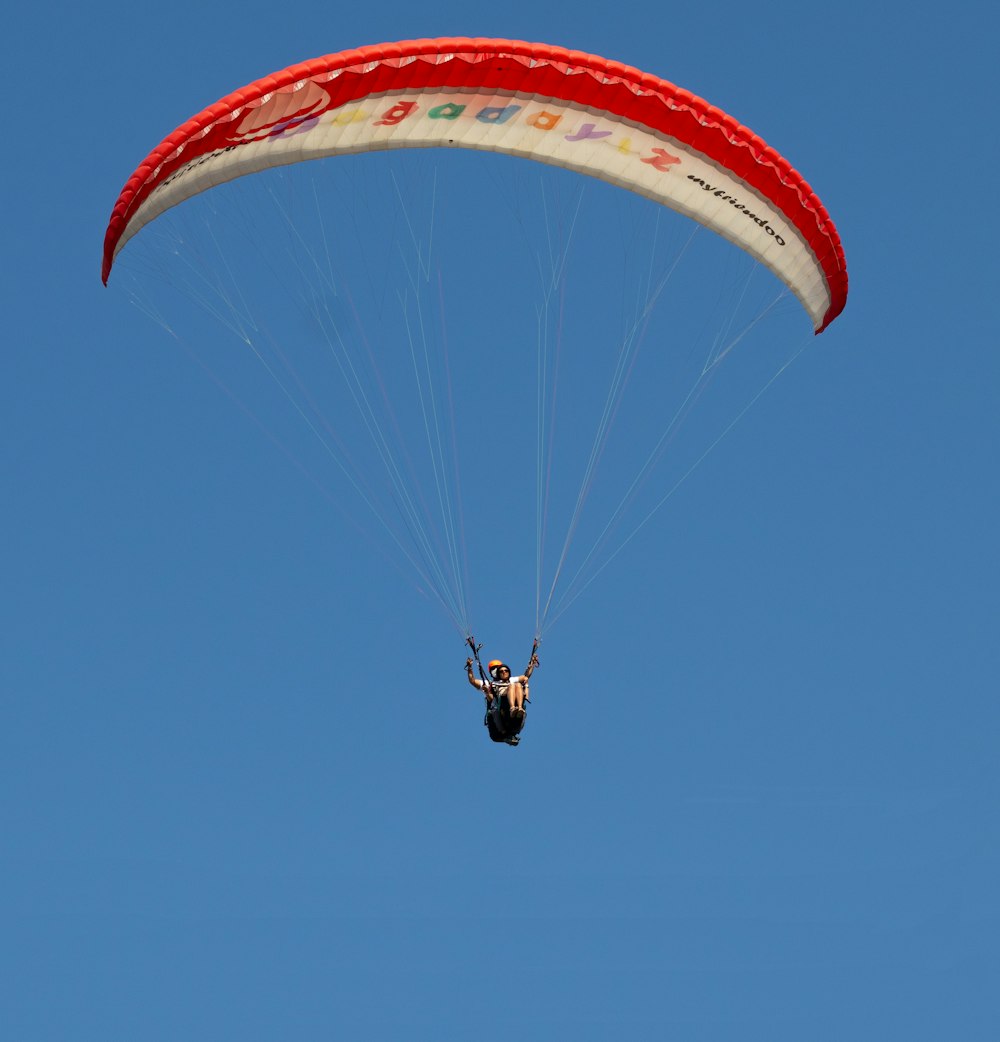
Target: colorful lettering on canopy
293,126
541,119
661,159
348,116
588,130
544,120
497,113
396,114
449,111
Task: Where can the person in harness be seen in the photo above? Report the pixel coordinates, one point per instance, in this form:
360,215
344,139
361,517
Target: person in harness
505,695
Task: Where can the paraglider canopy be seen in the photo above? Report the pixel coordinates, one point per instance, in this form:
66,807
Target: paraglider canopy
542,102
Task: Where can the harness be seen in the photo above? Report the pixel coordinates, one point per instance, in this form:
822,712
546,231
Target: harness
499,690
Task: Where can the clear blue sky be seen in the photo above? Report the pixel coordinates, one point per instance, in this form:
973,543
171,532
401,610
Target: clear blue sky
246,792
